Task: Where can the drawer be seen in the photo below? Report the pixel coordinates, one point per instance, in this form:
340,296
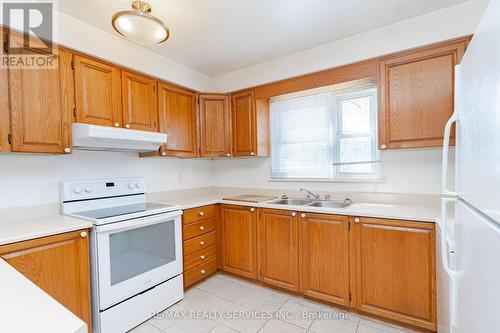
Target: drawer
199,243
198,228
199,257
199,273
198,214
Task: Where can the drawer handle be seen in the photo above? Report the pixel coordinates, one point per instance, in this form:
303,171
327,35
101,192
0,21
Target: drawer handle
202,243
303,215
201,213
252,210
294,214
202,257
356,220
202,228
203,271
83,234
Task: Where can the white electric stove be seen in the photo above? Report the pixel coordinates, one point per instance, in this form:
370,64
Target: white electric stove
136,251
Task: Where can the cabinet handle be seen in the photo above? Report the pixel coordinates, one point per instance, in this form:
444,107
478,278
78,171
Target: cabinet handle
383,147
203,271
356,220
201,213
252,153
294,214
67,150
127,126
202,257
117,124
163,153
202,228
228,155
83,234
252,210
302,215
202,243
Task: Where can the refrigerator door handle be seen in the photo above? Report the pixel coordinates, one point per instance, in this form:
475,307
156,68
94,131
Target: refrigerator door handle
446,148
447,134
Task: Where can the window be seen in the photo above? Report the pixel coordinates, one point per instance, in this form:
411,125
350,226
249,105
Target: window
327,133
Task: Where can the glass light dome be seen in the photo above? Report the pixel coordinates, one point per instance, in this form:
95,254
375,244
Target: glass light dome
139,25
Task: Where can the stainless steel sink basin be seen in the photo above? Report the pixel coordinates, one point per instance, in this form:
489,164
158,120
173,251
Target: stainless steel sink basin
297,202
330,204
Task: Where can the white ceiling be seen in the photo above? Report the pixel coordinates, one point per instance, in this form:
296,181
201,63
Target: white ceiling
218,36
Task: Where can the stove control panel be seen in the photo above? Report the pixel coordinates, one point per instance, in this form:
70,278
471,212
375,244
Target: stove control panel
97,189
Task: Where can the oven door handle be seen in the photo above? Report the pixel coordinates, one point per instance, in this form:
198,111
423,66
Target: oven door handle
137,223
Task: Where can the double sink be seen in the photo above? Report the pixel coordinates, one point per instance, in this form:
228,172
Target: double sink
313,203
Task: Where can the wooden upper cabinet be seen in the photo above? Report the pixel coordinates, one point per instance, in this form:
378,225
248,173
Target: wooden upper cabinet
417,95
325,250
244,124
215,126
41,103
395,270
59,265
278,254
97,93
239,240
178,119
139,100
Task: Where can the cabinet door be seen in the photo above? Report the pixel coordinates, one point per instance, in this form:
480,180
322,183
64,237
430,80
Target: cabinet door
244,124
279,248
177,110
395,270
417,96
41,104
215,127
325,257
239,241
59,265
97,93
139,102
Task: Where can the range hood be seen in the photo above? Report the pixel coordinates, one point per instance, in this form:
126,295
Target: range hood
94,137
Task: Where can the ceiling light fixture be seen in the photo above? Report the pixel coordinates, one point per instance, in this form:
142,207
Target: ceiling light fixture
139,26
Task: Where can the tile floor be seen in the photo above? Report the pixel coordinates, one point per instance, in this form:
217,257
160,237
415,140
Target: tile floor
224,304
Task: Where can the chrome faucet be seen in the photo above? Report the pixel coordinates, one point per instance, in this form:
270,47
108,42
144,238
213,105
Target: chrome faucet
310,194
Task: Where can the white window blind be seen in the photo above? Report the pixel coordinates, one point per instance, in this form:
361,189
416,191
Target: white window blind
327,133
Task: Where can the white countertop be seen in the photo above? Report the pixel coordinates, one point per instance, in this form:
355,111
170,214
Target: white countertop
23,223
389,210
25,308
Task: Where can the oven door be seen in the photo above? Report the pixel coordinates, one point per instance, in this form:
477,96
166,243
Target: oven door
135,255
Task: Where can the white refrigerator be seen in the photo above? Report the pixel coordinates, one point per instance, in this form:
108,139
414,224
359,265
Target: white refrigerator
475,271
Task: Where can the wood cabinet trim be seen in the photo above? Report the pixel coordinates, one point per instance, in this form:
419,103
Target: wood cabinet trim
115,87
193,151
455,50
207,148
393,314
31,268
57,137
150,98
290,282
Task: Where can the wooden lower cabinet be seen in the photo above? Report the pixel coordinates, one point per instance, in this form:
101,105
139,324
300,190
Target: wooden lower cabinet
59,265
395,270
239,240
278,248
200,244
325,253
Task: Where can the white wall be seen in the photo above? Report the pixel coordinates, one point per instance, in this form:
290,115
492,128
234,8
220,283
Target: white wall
404,171
32,179
448,23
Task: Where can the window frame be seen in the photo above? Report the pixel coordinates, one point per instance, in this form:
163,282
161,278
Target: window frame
358,88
